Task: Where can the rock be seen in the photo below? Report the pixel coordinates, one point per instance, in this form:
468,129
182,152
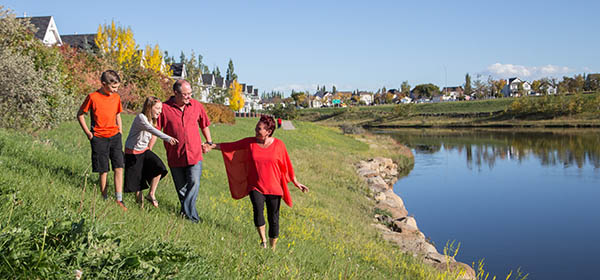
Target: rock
380,196
375,188
407,223
377,180
366,172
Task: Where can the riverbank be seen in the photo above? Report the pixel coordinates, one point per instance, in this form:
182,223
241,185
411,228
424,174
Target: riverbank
563,111
54,222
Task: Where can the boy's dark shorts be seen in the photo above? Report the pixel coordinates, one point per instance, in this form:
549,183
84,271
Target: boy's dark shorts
104,149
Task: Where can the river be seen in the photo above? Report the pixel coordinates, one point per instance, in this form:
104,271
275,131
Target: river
525,199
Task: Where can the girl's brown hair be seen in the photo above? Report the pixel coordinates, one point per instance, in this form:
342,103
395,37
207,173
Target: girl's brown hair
147,109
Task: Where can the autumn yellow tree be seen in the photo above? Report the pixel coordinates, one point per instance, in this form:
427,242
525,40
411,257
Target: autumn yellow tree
236,99
153,60
118,43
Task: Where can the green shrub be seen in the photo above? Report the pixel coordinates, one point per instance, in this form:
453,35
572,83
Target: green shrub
32,92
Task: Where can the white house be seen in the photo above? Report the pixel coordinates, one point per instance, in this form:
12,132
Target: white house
47,31
512,87
365,97
321,98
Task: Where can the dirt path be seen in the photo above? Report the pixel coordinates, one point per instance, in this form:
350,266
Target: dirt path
287,125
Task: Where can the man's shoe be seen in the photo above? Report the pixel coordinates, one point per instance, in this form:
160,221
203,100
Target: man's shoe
122,205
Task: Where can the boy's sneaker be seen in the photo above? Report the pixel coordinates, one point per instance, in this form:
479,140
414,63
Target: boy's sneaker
122,205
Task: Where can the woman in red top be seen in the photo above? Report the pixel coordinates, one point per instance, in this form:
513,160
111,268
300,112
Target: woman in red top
261,168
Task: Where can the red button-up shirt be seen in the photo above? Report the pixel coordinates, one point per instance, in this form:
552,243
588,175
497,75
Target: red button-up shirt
184,126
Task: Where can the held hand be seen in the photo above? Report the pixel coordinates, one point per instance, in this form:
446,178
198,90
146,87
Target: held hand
90,136
302,187
173,141
206,148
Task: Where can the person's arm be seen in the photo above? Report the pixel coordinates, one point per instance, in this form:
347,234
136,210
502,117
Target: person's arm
205,146
81,119
119,123
289,170
146,125
234,146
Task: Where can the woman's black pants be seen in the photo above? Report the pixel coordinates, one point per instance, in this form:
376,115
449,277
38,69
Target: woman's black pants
273,202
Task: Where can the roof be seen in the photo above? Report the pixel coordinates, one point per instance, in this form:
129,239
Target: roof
41,23
321,93
249,88
228,83
207,79
177,69
255,92
80,41
457,88
243,87
219,81
511,80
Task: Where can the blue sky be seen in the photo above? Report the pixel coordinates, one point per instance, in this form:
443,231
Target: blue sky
284,45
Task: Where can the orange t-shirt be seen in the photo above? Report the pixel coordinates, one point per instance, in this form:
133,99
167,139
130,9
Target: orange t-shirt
104,110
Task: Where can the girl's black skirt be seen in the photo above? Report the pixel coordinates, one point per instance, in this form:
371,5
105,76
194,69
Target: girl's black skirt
140,169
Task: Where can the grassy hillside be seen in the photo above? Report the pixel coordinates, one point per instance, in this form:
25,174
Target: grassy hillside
573,110
53,221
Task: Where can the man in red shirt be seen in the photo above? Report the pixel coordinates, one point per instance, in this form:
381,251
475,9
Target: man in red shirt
183,118
105,136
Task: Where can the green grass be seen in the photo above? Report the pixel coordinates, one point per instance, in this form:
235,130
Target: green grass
47,190
478,113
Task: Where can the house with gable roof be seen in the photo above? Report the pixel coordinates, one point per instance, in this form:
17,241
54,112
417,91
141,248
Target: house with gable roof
512,87
321,98
178,70
47,32
452,93
366,97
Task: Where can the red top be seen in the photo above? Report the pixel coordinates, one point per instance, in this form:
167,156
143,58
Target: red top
251,167
184,126
104,113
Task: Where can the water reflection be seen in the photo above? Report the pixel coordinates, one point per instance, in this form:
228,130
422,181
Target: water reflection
483,147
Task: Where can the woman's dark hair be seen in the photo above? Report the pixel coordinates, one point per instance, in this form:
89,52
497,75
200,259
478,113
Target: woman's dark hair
268,122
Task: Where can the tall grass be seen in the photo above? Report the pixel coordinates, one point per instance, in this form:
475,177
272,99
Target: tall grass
48,192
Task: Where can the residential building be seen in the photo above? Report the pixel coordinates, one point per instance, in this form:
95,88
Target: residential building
47,32
321,98
512,87
178,70
365,97
452,93
86,42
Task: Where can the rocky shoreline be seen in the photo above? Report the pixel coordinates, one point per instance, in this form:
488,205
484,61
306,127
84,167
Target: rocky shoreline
394,223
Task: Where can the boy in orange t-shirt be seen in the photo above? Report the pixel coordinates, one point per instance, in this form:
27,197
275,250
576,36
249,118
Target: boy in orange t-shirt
105,136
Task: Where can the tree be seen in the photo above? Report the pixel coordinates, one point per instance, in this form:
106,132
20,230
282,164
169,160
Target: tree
536,86
426,90
182,58
236,99
230,74
153,60
217,73
168,59
333,90
299,98
118,43
468,88
405,88
480,88
193,70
